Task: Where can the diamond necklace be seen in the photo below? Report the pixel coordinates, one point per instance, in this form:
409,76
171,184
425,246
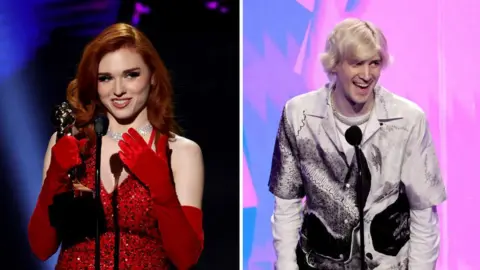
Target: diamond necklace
143,131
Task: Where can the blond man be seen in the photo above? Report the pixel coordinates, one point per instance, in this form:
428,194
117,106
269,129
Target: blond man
313,160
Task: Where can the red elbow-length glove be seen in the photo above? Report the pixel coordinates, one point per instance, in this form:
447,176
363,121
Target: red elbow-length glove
41,235
180,226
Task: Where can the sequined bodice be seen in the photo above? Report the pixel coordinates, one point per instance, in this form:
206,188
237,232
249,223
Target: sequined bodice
140,242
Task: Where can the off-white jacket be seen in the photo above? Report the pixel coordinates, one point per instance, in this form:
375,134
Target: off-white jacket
309,162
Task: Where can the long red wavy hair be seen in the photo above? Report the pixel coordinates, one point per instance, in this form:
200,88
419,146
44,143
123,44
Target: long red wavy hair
82,93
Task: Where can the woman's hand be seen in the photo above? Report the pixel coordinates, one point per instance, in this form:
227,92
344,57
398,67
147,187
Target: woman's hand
135,153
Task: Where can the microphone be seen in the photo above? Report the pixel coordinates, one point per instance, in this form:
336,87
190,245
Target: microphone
101,126
353,135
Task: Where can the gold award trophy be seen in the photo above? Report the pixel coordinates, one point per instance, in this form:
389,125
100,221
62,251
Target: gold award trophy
73,212
64,121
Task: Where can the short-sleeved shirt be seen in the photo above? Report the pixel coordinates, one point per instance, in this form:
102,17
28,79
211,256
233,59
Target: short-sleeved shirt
309,162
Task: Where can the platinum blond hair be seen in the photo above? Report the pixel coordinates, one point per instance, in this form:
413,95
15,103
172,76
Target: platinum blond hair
354,39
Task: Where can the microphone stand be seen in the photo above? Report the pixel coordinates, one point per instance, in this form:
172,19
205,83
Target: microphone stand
98,202
360,181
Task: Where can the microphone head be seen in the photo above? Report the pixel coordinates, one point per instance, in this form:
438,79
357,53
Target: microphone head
353,135
101,125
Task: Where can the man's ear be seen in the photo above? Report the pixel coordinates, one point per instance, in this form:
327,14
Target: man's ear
335,68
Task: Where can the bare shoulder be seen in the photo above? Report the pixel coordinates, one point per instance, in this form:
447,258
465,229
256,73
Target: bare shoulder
185,153
184,146
188,170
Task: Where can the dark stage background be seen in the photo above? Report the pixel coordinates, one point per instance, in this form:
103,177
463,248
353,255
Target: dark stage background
41,42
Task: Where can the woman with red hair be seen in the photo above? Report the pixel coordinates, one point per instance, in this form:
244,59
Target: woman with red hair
156,196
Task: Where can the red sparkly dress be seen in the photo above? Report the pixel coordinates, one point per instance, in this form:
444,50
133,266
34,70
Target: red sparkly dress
131,212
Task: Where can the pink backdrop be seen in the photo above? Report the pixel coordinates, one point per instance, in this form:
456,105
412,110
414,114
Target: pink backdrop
436,64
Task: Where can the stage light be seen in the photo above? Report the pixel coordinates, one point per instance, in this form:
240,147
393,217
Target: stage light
221,6
138,11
